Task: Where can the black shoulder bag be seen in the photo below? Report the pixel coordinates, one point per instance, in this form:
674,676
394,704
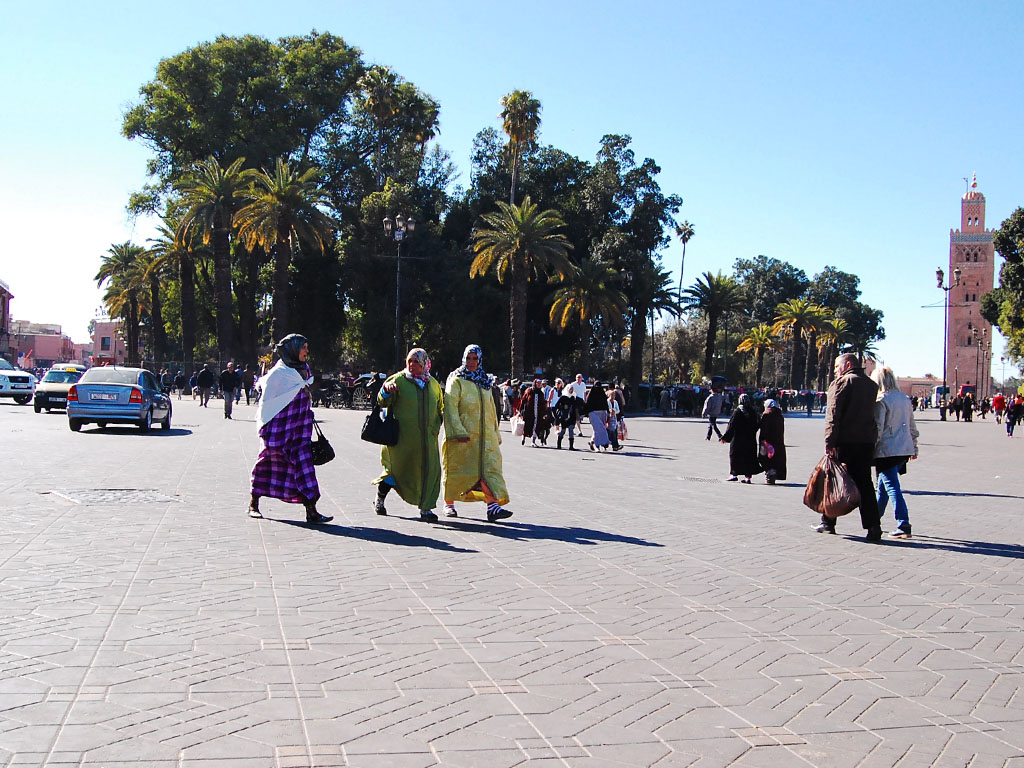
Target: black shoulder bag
380,430
322,450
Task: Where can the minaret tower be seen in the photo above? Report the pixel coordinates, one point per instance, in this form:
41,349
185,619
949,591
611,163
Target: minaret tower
971,250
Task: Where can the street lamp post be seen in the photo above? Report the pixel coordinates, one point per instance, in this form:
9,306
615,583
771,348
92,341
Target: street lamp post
940,277
398,229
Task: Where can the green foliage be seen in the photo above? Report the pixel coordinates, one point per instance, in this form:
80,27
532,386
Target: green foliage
768,282
714,296
1004,306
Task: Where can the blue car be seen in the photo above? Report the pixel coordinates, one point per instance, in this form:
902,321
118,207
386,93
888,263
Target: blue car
116,395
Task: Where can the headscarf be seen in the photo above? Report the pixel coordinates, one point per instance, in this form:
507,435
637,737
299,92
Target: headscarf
420,356
478,377
771,404
288,350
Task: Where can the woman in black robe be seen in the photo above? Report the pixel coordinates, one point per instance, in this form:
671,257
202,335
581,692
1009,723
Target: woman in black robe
773,433
741,434
534,409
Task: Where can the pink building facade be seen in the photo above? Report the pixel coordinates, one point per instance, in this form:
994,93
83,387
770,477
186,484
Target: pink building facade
107,345
969,340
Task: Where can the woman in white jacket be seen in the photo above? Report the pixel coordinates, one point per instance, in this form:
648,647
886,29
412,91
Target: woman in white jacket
896,445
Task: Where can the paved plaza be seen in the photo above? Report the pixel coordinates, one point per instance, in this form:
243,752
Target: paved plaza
636,611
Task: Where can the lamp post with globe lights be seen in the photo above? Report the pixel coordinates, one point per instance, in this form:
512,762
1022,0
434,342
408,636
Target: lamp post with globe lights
397,229
940,277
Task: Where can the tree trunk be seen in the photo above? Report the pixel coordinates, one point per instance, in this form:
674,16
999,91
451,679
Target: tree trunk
187,278
517,318
812,359
245,293
222,288
709,343
515,175
157,316
131,336
760,367
282,260
795,363
637,341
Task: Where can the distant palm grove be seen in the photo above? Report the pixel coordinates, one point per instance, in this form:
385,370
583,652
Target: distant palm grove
275,164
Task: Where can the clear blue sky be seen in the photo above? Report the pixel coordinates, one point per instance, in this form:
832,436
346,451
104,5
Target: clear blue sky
819,133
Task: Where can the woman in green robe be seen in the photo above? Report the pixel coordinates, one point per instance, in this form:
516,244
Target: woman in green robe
472,443
413,466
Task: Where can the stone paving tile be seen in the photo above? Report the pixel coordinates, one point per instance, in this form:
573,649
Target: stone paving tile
615,620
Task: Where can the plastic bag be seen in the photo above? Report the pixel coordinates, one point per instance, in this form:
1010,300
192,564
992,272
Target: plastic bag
623,433
518,427
830,490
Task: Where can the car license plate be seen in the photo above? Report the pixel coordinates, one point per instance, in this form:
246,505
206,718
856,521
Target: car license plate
103,396
22,386
58,399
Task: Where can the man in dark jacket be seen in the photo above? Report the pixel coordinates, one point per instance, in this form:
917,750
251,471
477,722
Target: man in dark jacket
229,382
850,435
205,382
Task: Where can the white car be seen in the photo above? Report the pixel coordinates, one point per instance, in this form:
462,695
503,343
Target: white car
16,383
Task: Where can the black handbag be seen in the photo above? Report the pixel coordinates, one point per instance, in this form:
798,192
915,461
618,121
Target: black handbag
322,450
382,431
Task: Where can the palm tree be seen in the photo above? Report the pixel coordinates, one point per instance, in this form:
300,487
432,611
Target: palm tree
759,339
419,117
210,195
281,206
380,100
652,293
517,242
796,319
834,333
174,252
685,233
121,270
713,296
520,119
588,296
153,272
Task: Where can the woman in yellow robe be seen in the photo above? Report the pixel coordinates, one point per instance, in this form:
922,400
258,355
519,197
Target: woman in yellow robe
471,452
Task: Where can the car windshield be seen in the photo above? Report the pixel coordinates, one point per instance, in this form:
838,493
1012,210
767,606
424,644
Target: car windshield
110,376
5,366
61,377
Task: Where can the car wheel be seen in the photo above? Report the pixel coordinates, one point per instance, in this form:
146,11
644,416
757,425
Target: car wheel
74,424
101,424
38,408
22,399
146,422
166,423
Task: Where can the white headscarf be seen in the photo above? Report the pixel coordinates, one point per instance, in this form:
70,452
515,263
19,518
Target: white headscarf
280,386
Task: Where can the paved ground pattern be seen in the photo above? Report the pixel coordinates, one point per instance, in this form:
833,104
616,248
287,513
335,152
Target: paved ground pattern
636,611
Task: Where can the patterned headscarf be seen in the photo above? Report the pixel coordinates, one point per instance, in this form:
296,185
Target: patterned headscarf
478,377
420,356
288,350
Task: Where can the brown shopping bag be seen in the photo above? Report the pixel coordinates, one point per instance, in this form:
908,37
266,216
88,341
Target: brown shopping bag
831,491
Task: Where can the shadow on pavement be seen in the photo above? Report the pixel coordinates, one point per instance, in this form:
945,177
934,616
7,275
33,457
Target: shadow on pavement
958,493
994,549
134,431
376,535
529,532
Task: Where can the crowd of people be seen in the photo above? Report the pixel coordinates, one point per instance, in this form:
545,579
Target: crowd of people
869,424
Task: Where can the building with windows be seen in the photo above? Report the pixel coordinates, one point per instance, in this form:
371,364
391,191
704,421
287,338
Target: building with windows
107,345
969,339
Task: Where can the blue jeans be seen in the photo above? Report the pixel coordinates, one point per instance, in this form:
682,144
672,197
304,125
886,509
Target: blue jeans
889,488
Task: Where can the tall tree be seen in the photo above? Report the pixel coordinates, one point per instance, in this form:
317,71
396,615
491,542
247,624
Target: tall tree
758,340
520,119
154,273
122,270
795,319
713,295
1004,306
381,101
174,254
654,294
518,242
281,206
769,282
589,296
685,233
210,195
